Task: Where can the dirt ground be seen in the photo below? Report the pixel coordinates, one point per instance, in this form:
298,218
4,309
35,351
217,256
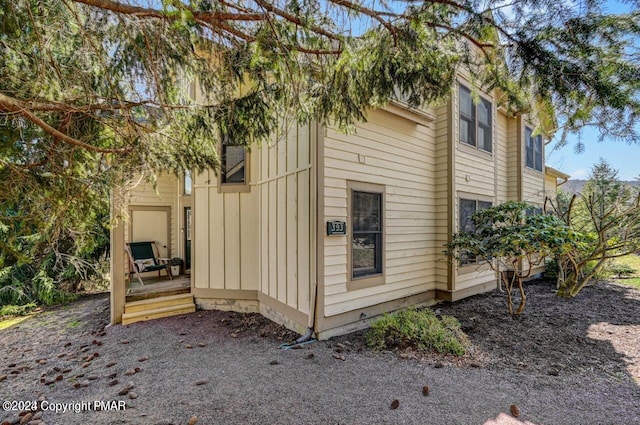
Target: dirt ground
561,362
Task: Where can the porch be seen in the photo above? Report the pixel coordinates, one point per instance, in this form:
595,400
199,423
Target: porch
157,298
157,287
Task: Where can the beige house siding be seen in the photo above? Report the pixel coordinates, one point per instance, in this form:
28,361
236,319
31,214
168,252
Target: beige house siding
224,228
514,152
225,225
533,187
532,181
399,155
550,186
552,179
263,246
165,194
259,242
474,177
502,155
144,199
442,150
286,213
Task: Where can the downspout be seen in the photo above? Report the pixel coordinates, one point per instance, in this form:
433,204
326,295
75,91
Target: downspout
312,315
314,290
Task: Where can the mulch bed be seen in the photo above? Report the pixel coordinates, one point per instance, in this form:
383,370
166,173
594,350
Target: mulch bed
598,332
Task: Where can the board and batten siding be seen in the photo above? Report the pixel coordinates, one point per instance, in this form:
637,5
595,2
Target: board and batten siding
284,180
225,225
398,155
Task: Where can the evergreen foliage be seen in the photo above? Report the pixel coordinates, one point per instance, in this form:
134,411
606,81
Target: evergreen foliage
607,214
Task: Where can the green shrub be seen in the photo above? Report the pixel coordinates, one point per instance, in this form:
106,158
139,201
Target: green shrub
620,269
420,329
603,273
17,310
551,270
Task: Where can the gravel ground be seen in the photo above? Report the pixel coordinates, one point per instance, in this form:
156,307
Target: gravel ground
225,368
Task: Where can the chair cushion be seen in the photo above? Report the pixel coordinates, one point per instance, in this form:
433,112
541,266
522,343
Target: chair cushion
144,264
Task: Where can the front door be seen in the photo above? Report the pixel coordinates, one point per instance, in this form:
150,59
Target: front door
186,188
187,238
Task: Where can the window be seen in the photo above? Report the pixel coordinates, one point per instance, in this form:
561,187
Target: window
467,208
475,121
366,246
530,212
232,164
187,183
534,149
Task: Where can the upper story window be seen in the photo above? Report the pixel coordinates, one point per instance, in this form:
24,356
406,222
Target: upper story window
232,164
475,121
187,183
534,149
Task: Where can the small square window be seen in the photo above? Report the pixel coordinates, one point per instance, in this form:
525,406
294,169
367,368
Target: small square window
233,164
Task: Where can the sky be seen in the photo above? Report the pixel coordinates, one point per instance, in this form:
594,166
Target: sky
623,157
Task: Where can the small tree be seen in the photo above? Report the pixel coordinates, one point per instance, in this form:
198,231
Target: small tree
607,213
513,242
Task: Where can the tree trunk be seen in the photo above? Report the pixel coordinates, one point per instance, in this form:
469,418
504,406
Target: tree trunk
523,296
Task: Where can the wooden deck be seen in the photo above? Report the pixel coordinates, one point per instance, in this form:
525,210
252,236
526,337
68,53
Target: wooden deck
158,287
157,307
158,297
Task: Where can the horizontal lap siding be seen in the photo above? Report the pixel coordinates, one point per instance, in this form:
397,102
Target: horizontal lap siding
475,177
475,174
441,196
502,162
550,186
164,194
399,154
476,277
533,187
513,154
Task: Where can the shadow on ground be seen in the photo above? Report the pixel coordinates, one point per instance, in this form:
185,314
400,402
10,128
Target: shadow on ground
594,333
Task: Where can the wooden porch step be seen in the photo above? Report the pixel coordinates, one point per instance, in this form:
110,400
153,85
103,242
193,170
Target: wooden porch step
158,302
158,307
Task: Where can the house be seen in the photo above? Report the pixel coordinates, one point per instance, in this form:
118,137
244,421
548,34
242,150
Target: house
324,230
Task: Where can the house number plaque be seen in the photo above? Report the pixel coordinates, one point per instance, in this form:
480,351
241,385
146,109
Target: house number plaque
336,227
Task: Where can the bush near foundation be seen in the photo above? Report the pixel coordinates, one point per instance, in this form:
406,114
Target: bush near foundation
418,328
